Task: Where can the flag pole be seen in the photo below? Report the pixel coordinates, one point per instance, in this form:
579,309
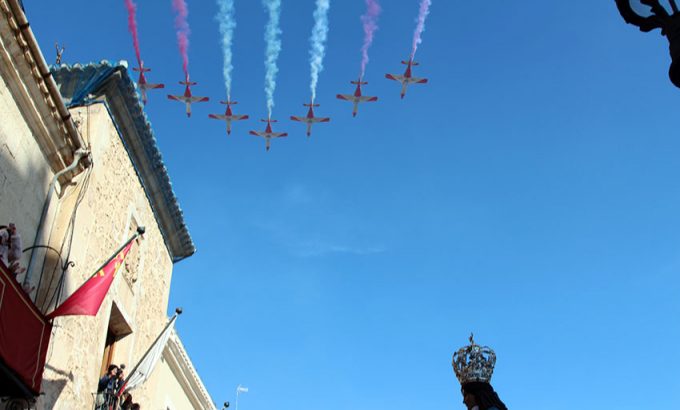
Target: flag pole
140,232
238,389
178,311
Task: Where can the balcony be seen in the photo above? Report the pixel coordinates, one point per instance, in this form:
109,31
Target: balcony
24,338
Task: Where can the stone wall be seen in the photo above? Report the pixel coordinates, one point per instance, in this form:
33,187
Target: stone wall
113,199
24,172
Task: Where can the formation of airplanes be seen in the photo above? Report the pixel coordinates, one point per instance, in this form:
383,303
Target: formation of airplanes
143,84
310,119
357,97
268,134
187,98
228,116
407,78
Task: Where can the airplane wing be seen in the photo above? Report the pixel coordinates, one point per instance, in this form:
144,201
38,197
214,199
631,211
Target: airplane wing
239,117
296,118
257,133
365,98
395,77
199,99
346,97
217,116
176,97
318,119
149,86
279,134
419,80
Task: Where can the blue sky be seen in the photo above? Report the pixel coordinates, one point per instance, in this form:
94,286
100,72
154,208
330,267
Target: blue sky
528,193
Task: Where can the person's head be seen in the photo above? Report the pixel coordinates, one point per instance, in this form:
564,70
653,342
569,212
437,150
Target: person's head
112,370
481,394
127,398
136,406
469,399
12,228
121,369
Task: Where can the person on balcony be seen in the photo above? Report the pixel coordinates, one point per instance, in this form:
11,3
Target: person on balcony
10,248
107,387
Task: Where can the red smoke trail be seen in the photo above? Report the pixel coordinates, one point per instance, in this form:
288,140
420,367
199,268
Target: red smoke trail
182,27
132,26
420,26
370,21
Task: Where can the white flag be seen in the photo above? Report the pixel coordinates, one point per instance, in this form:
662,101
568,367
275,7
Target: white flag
242,389
143,370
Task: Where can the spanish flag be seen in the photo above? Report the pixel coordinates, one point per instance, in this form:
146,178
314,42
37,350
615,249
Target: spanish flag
88,298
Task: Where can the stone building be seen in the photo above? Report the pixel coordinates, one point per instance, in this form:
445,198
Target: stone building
79,172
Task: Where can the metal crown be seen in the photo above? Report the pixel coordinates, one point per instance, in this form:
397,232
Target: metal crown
474,363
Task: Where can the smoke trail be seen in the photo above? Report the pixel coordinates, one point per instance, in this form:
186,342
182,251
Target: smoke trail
182,27
227,23
273,48
370,21
318,41
132,26
420,26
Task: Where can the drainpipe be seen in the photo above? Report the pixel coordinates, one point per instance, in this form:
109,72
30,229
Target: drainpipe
40,231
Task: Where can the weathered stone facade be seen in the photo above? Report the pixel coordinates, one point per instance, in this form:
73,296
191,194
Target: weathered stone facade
23,170
119,185
113,199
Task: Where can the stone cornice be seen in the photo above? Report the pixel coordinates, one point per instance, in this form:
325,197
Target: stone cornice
182,368
110,83
23,66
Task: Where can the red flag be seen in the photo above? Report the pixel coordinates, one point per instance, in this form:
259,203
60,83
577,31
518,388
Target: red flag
87,299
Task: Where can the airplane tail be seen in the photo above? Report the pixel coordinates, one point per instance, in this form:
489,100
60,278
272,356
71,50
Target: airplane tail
311,105
228,102
187,83
269,120
412,63
359,82
141,69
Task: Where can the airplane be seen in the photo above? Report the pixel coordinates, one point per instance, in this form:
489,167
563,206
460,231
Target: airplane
268,134
310,119
187,98
357,98
142,83
228,115
407,78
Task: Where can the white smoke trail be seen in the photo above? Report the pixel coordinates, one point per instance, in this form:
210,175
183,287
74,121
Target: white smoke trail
272,38
227,23
318,42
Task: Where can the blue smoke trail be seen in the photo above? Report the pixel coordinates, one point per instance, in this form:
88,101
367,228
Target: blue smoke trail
272,38
227,23
318,42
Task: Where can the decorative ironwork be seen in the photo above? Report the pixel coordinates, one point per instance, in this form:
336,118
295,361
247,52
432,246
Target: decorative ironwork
660,18
18,403
474,363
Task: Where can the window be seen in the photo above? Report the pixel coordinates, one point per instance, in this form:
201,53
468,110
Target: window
118,328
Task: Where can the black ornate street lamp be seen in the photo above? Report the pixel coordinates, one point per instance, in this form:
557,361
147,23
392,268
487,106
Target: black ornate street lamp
651,14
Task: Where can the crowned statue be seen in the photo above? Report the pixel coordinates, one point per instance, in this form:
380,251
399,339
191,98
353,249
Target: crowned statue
474,366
